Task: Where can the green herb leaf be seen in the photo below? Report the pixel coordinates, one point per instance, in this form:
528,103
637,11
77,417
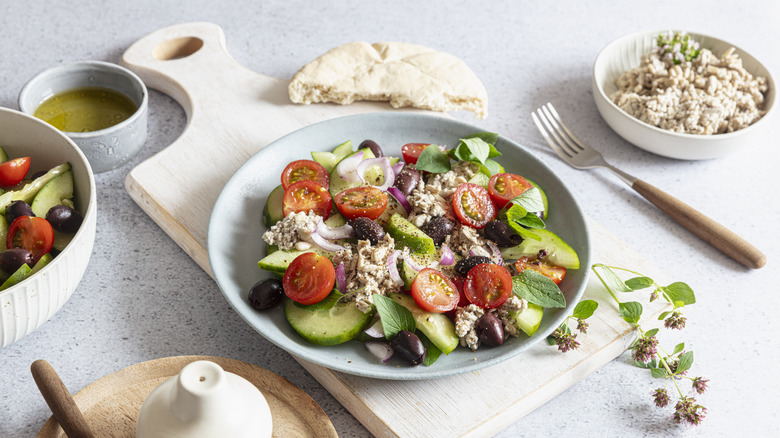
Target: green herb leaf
685,362
678,348
478,149
538,289
584,309
488,137
663,315
659,373
325,304
531,200
679,294
432,352
394,316
630,311
611,278
433,160
651,332
493,167
525,233
637,283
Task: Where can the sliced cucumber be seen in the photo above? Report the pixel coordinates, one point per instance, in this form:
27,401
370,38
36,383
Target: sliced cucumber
336,325
274,208
480,179
436,326
529,319
335,220
343,149
393,207
45,260
558,251
337,184
19,275
3,155
61,240
57,191
408,274
278,261
3,229
28,192
328,160
407,235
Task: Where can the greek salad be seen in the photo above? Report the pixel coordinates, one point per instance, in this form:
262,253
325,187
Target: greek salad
37,216
413,256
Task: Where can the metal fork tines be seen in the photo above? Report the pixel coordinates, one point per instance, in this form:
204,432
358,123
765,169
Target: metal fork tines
581,156
567,146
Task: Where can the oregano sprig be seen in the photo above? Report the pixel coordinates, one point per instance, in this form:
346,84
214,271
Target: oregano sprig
646,351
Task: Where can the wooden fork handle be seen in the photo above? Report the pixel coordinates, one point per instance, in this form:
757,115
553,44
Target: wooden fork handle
710,231
59,400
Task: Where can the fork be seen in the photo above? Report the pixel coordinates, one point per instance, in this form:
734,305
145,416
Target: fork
581,156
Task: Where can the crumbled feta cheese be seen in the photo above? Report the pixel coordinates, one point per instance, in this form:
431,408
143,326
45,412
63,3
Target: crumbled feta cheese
432,198
465,325
465,239
295,228
367,272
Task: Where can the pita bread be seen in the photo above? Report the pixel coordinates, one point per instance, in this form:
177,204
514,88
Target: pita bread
403,74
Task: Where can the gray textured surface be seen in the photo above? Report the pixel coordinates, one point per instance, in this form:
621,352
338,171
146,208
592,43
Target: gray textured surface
143,298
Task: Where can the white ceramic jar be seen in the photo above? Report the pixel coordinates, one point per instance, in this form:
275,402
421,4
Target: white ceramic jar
203,400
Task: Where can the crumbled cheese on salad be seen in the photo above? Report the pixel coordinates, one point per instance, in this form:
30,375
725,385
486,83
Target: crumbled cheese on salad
465,325
432,198
367,272
512,304
466,239
294,231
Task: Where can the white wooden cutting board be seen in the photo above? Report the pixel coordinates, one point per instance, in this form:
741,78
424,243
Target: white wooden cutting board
232,113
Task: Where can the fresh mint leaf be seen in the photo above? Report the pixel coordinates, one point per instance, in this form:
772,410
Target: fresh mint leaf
394,316
488,137
652,332
478,148
525,233
432,352
433,160
537,289
531,200
659,373
585,309
637,283
679,294
325,304
531,220
685,362
630,311
678,348
611,278
663,315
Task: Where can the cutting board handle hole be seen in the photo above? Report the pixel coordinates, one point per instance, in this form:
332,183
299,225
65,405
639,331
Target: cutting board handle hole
177,48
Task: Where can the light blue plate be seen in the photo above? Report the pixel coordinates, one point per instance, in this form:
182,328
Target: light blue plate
235,243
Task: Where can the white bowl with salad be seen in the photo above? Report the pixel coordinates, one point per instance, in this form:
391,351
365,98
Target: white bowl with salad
407,276
47,222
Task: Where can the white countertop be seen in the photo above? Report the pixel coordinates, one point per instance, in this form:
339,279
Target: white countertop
143,298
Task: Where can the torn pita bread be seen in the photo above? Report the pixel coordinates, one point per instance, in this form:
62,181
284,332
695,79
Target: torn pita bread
402,73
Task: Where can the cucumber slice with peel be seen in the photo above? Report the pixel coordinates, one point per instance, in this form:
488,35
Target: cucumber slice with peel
278,261
57,191
274,208
436,326
335,325
28,192
529,319
558,251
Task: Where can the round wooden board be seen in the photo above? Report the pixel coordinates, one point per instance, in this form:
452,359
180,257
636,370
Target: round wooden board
111,404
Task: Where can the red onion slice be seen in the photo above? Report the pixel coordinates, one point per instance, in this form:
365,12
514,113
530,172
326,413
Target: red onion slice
410,261
342,232
398,167
325,243
400,198
376,330
384,165
341,278
347,168
392,266
382,350
495,253
447,256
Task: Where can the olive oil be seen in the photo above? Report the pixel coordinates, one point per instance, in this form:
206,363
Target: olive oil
86,109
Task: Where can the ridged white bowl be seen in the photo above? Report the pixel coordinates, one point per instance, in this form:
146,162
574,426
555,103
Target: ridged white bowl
624,54
27,305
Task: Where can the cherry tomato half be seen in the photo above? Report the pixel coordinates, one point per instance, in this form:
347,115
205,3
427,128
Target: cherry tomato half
303,170
458,281
488,285
12,172
411,151
505,186
434,292
309,278
472,205
364,201
34,234
304,196
544,267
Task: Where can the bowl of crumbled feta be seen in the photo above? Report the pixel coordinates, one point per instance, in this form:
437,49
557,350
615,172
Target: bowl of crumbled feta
683,95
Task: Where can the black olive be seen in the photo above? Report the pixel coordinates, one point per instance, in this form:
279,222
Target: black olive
464,265
407,180
265,293
12,259
408,347
371,144
367,229
501,233
16,209
65,219
490,330
438,229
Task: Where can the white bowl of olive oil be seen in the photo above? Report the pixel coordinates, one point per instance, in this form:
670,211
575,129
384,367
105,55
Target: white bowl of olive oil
101,106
